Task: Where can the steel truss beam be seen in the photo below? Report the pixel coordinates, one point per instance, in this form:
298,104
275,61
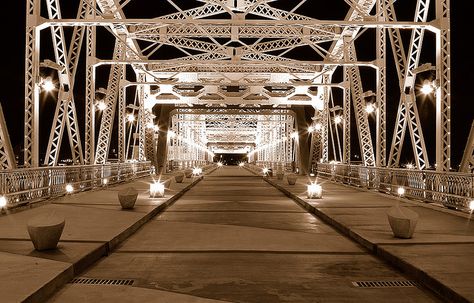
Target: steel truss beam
467,162
365,140
106,125
214,39
443,93
90,91
65,114
7,157
32,56
407,110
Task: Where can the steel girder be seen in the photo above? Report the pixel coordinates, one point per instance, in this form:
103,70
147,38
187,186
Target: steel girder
7,157
467,162
107,120
195,30
268,129
65,114
89,143
32,57
142,119
381,99
443,92
365,140
346,135
407,110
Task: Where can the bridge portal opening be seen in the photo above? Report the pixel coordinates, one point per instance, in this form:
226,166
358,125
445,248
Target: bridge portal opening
230,159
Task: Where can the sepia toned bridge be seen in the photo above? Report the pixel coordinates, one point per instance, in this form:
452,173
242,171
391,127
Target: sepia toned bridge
327,93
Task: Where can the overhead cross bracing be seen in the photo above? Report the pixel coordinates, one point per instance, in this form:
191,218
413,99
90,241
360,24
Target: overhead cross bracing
264,135
245,54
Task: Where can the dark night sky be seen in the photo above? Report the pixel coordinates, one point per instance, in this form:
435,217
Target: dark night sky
12,76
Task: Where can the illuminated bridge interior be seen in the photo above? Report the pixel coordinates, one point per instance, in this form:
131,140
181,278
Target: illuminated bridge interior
352,92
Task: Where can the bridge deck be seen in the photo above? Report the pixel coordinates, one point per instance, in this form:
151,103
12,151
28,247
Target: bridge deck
235,238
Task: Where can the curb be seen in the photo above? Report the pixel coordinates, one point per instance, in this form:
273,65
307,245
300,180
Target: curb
424,278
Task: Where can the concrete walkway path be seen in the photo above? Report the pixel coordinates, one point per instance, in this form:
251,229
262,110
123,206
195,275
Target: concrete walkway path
95,225
235,238
439,255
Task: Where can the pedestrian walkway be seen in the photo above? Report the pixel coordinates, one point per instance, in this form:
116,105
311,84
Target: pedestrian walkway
95,225
235,238
439,255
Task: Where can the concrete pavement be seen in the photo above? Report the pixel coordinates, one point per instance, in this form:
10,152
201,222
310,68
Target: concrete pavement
235,238
439,255
95,225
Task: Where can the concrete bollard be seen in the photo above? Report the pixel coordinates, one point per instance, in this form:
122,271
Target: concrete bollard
179,178
188,173
45,230
402,221
280,175
128,197
291,179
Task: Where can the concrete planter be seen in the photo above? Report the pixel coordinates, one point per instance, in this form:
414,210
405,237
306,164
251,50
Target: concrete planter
128,197
179,178
291,179
280,175
188,173
402,221
45,230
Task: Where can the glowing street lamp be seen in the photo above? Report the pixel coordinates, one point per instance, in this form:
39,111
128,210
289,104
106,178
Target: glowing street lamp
265,171
47,84
241,164
471,205
427,87
311,129
197,171
337,119
157,189
69,188
101,105
3,202
401,191
318,126
315,191
130,118
370,108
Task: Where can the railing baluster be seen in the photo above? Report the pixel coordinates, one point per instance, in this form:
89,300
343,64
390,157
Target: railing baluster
452,189
30,185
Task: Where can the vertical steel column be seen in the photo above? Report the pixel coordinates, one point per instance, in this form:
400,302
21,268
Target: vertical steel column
141,118
325,121
90,88
7,158
32,56
443,92
381,135
346,134
122,91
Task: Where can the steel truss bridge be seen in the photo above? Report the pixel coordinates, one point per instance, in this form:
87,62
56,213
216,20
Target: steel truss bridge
237,76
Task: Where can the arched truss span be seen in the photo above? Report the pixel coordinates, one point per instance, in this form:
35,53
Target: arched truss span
239,54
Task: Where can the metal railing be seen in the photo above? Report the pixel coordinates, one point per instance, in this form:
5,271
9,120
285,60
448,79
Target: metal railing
30,185
174,165
451,189
276,166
